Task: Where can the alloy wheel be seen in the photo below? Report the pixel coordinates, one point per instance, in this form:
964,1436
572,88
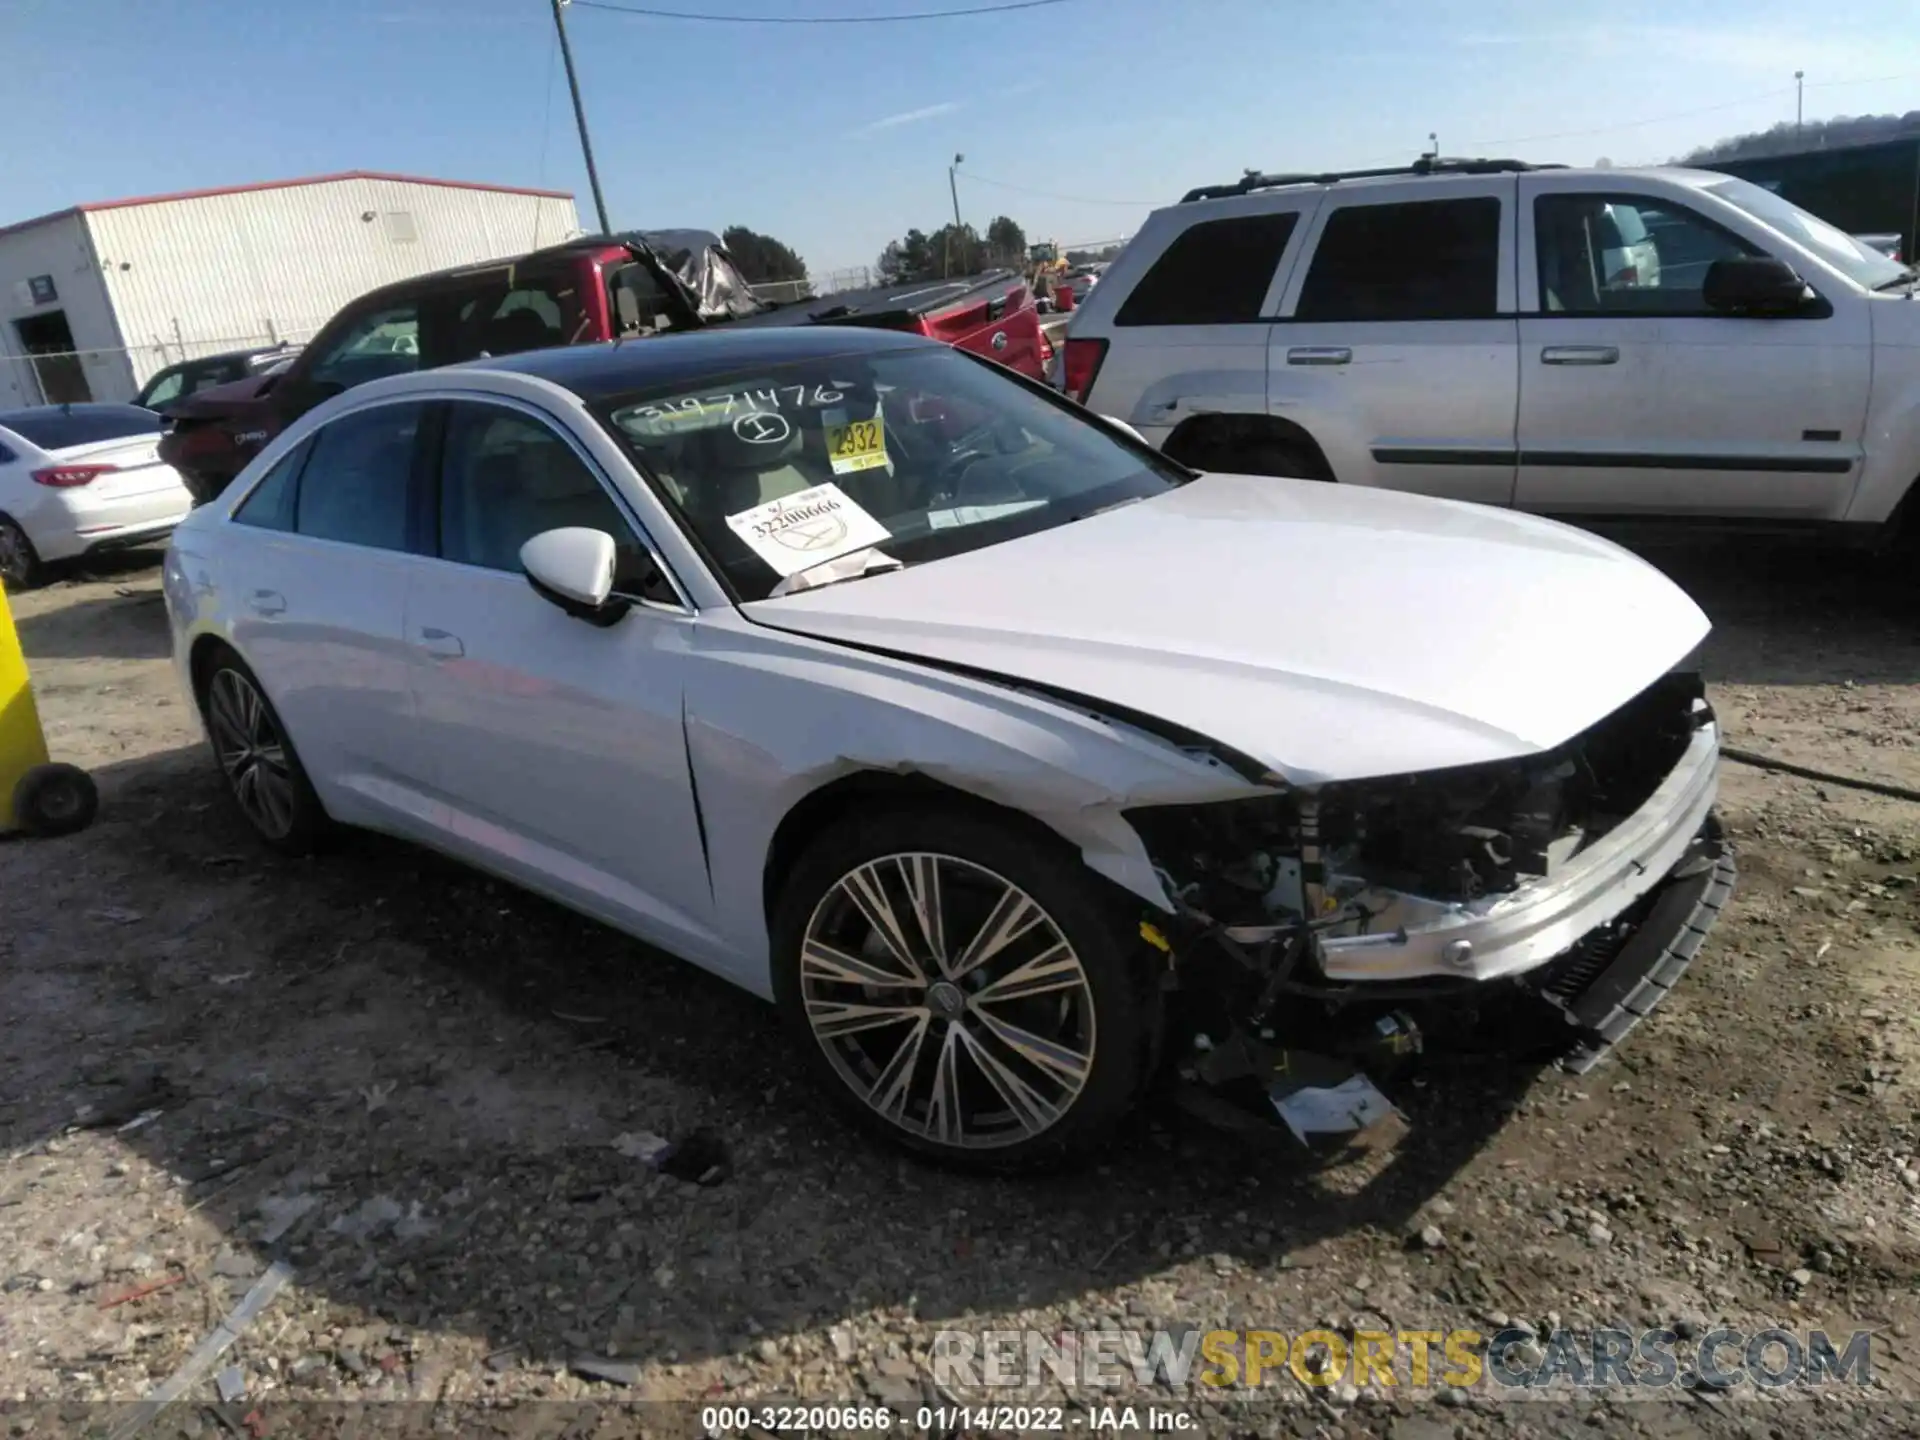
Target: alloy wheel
948,1000
252,752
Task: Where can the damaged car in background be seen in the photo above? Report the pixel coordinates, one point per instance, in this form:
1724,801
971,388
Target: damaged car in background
1017,764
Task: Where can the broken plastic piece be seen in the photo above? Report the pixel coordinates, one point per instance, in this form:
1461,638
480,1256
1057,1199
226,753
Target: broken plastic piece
137,1417
230,1385
1344,1109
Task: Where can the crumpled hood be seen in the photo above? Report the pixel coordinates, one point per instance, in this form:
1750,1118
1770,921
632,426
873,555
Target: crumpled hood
1327,631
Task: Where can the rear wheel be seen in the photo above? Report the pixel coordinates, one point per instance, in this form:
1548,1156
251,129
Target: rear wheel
964,988
20,565
264,775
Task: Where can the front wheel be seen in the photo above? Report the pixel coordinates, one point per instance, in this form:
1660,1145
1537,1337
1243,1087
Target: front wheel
964,987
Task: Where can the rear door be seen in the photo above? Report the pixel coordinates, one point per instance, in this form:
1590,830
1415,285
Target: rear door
1396,343
1636,399
1185,322
319,592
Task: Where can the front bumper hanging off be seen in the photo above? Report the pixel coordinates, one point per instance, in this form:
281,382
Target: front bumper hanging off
1615,978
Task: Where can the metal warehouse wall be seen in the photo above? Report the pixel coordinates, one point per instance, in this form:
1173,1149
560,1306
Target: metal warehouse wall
57,247
215,272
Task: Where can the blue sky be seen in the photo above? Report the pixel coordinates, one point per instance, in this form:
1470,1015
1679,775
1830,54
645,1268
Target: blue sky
837,137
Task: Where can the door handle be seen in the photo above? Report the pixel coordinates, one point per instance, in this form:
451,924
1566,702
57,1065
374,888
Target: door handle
1580,355
1319,355
267,602
443,644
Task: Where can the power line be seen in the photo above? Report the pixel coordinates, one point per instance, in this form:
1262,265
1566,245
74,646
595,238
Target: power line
654,14
974,179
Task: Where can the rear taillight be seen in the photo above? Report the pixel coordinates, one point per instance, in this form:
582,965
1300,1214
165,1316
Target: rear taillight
66,477
1083,360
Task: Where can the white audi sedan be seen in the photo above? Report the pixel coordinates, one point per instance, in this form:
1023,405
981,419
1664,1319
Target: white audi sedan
1011,760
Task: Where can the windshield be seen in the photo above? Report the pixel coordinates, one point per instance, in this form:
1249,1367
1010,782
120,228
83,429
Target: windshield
914,454
1860,263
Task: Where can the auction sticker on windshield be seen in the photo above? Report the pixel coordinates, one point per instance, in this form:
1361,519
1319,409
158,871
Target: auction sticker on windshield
857,445
799,531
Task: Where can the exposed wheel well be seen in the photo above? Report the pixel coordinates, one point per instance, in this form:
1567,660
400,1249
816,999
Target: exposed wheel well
872,788
1250,444
200,660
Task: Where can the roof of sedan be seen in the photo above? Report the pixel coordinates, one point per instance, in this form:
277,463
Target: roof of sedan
618,366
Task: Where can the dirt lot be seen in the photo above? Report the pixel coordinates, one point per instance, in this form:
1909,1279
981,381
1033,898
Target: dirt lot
416,1082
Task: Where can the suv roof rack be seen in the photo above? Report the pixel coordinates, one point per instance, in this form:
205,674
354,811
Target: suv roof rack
1425,165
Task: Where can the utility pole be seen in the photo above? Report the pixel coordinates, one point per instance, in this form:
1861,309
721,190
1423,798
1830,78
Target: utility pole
580,116
1799,101
953,188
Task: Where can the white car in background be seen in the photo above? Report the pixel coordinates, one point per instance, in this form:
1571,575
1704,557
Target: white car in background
80,478
896,689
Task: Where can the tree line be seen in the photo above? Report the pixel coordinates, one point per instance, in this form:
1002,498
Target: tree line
1788,138
954,250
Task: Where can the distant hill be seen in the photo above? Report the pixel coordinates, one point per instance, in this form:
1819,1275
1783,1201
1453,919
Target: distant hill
1787,138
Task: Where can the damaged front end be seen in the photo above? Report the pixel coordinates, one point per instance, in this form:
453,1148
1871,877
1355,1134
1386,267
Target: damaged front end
1321,920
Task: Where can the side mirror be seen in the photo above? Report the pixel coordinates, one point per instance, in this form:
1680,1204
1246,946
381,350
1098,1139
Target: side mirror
1754,285
573,568
1120,424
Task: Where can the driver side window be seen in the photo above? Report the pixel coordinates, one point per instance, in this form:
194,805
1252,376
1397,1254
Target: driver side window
1626,255
506,476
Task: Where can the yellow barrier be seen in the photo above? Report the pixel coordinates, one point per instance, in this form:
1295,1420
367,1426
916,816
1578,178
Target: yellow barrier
35,796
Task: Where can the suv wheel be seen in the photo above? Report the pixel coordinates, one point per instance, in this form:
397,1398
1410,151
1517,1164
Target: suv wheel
961,989
1253,455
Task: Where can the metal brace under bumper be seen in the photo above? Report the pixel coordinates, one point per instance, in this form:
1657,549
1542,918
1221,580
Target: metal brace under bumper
1651,960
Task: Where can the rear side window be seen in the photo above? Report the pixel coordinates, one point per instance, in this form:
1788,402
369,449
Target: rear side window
1427,260
1216,273
270,505
54,427
354,486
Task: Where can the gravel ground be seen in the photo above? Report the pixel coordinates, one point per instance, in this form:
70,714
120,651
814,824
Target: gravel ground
429,1094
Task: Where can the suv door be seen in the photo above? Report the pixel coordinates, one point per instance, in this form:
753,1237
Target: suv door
1635,398
1184,323
560,747
1395,348
318,603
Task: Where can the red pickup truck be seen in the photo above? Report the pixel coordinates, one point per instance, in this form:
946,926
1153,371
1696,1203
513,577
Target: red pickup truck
587,290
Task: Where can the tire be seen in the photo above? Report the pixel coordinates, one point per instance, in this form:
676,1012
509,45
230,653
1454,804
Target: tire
51,800
265,779
21,567
1091,1012
1286,459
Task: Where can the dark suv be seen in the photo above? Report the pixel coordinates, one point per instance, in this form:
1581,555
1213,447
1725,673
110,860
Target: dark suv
596,288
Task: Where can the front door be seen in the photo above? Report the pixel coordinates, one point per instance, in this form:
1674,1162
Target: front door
1635,399
1395,347
561,752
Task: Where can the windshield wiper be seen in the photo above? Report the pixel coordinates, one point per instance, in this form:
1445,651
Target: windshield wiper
1905,277
854,565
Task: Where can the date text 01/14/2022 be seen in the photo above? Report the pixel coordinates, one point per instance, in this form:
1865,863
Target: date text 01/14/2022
945,1419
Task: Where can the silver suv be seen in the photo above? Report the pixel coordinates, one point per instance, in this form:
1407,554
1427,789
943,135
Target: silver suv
1582,342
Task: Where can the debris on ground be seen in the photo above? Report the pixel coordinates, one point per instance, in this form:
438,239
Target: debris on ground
203,1359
